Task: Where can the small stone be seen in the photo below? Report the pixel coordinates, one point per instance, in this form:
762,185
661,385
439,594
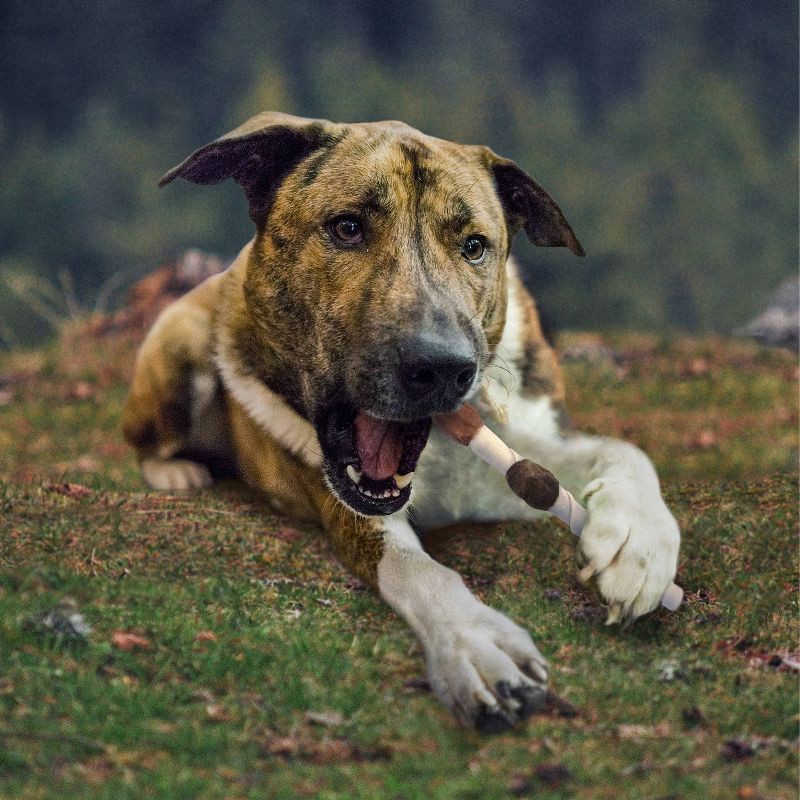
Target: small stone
62,621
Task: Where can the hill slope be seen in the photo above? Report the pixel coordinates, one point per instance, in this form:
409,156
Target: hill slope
231,657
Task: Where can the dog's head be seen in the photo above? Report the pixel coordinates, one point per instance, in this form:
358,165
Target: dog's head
375,292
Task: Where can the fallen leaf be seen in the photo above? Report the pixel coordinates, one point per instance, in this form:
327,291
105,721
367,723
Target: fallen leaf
287,534
286,746
696,368
417,685
97,769
555,706
635,732
163,727
217,713
108,670
129,641
205,636
331,751
85,463
73,490
322,751
703,440
329,719
79,391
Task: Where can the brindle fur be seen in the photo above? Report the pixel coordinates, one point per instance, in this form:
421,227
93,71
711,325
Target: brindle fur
304,317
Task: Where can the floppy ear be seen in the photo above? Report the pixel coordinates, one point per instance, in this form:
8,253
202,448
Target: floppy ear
526,204
257,155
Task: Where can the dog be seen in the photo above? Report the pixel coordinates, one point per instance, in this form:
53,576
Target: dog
377,292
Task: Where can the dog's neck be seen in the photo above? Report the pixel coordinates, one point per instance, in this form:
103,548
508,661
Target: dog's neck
253,373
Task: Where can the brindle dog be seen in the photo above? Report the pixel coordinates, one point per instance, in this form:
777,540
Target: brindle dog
377,292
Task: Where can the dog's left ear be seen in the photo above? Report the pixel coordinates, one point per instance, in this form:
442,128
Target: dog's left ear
258,155
528,205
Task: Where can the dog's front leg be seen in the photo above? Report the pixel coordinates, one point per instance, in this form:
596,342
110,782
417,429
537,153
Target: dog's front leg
630,541
481,665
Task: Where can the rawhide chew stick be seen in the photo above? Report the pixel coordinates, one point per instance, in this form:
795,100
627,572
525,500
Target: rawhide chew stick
530,481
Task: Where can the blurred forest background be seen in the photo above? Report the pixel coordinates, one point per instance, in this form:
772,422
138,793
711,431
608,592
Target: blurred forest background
666,131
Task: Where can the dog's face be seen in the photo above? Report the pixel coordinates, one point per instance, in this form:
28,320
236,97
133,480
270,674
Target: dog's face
375,294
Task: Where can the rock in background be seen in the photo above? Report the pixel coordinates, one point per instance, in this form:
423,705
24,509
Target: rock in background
779,324
153,293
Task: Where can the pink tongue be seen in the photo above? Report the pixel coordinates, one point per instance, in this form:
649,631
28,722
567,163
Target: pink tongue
379,443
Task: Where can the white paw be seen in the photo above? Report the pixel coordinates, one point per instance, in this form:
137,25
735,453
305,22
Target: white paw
631,545
175,474
486,670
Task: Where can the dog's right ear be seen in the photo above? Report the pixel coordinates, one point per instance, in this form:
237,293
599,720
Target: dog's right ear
526,204
257,155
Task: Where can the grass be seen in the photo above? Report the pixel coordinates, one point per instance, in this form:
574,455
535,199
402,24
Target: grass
263,670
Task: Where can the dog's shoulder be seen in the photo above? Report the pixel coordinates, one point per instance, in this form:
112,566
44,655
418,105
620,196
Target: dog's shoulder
524,362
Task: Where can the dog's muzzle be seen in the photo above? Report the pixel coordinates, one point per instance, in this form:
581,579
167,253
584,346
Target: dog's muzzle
371,447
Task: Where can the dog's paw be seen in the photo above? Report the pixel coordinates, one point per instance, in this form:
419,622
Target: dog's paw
175,474
487,671
631,545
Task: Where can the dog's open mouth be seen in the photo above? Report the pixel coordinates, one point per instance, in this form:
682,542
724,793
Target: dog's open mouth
370,462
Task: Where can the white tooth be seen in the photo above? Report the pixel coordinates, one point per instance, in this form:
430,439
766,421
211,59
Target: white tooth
367,492
395,493
387,493
354,474
403,480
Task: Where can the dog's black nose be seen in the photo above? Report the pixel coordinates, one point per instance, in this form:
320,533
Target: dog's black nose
433,367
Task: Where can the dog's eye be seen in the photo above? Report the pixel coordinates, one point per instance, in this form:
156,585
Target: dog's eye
347,230
474,249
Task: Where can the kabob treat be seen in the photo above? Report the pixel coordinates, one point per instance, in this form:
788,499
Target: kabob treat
530,481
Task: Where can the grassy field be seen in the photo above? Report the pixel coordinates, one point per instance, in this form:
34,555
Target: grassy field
230,656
